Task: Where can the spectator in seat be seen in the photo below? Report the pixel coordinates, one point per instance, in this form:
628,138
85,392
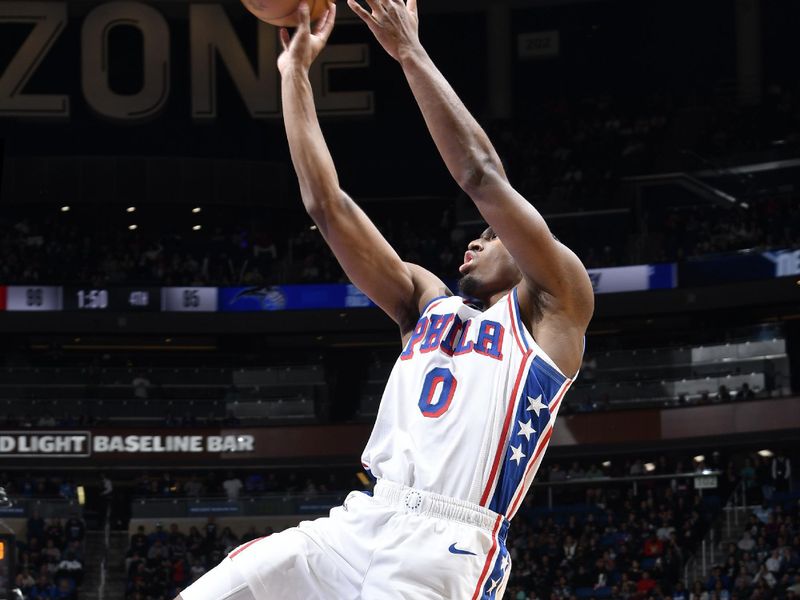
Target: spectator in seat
194,487
67,490
232,486
43,590
255,483
159,535
139,541
745,393
74,529
569,548
133,564
679,593
653,547
746,543
724,394
70,568
141,387
211,531
720,593
157,552
698,593
180,573
51,552
25,581
645,584
774,563
36,526
764,576
197,571
717,576
781,473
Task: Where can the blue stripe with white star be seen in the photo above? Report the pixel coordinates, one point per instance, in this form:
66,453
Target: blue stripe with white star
501,567
531,418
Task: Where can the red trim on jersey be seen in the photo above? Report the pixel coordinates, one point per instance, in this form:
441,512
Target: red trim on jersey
501,448
514,326
432,306
2,297
489,560
540,447
245,546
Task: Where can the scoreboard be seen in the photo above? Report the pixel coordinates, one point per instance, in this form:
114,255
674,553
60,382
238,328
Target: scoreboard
112,299
269,298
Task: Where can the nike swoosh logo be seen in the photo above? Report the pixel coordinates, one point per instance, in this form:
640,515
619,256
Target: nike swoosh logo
455,550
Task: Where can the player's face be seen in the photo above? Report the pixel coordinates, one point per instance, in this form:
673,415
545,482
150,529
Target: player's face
488,268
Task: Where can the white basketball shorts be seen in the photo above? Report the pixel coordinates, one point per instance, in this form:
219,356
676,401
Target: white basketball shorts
399,543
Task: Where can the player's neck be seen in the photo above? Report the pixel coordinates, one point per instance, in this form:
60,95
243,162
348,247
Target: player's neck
494,299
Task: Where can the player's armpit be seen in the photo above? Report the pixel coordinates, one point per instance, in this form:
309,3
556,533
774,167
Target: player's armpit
372,265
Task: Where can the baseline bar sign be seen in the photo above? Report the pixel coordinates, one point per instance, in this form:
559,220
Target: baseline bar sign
83,444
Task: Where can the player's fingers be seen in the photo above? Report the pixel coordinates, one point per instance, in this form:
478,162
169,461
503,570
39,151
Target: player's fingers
412,6
285,39
325,26
304,13
361,12
376,7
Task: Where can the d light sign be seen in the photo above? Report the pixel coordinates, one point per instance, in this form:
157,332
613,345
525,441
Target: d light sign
213,43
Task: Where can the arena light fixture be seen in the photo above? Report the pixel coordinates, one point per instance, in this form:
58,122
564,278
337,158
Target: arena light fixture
699,458
606,464
766,453
197,228
131,209
133,227
649,467
313,228
65,208
197,210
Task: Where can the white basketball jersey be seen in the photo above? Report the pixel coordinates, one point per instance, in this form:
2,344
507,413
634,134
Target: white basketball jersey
469,407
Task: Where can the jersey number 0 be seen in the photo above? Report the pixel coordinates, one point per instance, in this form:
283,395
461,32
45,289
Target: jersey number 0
437,393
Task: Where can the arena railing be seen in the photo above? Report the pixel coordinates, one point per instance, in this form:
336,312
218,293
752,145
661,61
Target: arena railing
315,504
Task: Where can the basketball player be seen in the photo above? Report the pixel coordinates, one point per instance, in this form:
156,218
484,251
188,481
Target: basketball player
469,407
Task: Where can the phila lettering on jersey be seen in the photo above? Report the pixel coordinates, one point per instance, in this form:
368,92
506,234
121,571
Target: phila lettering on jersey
469,407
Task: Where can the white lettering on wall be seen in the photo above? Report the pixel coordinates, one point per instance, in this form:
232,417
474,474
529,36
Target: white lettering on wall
49,20
97,26
214,44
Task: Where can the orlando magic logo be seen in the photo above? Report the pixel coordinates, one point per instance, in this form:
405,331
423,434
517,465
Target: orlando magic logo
269,298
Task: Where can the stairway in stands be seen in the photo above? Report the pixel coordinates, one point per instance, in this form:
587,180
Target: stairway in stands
111,560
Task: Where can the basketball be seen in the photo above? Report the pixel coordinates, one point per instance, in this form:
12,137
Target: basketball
283,13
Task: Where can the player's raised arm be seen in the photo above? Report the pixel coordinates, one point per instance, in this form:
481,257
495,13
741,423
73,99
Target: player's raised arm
399,288
473,162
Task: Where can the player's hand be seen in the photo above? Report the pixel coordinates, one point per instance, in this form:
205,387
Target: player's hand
395,24
301,49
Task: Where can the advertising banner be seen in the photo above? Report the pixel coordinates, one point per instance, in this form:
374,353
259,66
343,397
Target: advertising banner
85,444
635,278
291,297
745,266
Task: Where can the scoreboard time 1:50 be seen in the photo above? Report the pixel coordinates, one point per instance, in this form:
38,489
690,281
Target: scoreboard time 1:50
114,299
